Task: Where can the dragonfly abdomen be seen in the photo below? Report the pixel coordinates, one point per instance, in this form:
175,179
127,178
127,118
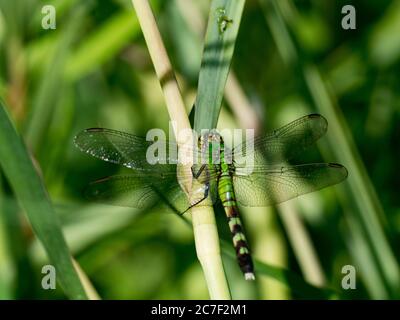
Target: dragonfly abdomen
228,199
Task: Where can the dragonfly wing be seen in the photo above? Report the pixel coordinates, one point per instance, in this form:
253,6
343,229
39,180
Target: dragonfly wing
152,179
270,185
284,143
144,189
122,148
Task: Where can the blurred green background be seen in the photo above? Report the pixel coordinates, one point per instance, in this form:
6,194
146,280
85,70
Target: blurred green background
291,58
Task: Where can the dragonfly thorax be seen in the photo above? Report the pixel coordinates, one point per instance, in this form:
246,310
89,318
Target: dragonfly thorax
212,148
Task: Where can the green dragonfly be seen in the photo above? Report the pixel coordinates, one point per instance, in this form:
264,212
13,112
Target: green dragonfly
270,181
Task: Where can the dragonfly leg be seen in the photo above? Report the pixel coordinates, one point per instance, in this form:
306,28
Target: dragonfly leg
197,175
206,192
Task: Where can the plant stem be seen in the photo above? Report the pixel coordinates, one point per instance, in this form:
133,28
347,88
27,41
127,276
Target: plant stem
203,220
209,252
162,66
86,283
20,171
367,210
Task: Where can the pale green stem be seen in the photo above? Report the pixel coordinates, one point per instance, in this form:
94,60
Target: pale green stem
302,245
203,220
87,285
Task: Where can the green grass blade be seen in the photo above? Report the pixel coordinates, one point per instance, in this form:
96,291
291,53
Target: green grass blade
298,286
48,94
32,195
186,42
217,55
94,51
6,261
358,188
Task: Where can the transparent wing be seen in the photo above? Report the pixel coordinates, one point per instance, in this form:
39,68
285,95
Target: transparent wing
150,182
114,146
269,185
145,189
129,150
284,143
136,152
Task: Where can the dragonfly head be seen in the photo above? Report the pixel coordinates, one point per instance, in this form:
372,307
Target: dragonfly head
210,145
211,136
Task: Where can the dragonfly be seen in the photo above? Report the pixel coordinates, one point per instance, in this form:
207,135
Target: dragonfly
271,180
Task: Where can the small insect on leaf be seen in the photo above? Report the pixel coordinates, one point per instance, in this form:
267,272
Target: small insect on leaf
223,21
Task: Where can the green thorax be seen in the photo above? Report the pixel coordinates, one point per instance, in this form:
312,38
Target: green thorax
216,153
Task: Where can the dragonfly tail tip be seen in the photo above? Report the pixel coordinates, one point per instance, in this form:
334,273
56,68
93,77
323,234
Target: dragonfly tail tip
249,276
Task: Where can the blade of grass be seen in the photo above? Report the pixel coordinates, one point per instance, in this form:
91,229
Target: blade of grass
359,188
217,56
89,289
384,44
48,93
186,43
363,194
302,244
14,226
363,257
7,267
94,51
28,187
